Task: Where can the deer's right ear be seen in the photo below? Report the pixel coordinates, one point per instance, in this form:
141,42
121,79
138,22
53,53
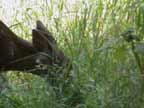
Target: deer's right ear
40,42
7,49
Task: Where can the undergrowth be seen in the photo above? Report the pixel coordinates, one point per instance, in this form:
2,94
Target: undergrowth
105,73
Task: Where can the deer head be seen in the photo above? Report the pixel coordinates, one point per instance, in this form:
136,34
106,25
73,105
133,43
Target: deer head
38,57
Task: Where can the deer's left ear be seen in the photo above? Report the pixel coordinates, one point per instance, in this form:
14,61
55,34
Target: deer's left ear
40,26
40,42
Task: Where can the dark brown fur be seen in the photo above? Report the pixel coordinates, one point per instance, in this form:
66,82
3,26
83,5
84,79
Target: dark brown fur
21,55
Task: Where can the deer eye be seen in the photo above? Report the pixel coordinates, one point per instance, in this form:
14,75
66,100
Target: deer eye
38,61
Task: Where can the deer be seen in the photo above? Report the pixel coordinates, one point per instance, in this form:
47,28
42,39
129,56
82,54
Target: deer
38,57
41,57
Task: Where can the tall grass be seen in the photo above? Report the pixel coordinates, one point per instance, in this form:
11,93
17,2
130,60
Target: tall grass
105,72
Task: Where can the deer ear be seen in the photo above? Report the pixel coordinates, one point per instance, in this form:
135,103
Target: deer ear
7,48
40,42
40,26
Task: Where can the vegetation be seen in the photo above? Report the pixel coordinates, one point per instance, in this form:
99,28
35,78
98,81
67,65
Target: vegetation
103,38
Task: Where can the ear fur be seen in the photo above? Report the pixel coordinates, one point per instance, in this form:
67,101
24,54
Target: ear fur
7,48
40,26
40,42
